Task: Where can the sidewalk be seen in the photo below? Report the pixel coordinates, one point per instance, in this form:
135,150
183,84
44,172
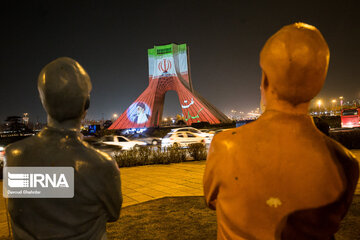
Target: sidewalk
144,183
357,154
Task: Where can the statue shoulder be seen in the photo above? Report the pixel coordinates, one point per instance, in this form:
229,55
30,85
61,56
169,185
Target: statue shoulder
231,135
95,153
19,147
340,151
224,143
345,158
98,164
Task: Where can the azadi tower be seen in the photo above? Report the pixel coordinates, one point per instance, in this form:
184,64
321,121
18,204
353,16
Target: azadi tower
169,69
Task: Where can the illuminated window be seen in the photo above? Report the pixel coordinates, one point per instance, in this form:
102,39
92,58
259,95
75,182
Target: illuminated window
350,112
121,139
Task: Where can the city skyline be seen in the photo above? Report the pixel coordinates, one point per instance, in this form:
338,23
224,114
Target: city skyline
110,40
316,105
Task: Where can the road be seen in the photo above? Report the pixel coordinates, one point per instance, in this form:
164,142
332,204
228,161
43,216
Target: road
345,130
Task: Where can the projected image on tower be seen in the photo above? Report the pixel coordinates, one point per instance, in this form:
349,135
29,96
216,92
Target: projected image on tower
186,108
139,112
168,71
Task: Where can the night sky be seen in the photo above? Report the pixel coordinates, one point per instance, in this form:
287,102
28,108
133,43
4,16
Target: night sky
110,40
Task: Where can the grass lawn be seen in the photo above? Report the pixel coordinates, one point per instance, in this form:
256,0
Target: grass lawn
169,218
188,218
350,226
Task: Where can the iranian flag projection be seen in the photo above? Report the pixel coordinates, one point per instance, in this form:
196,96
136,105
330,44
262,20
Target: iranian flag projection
168,70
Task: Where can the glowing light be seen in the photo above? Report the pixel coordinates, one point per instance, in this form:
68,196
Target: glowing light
319,102
16,152
105,155
304,25
80,68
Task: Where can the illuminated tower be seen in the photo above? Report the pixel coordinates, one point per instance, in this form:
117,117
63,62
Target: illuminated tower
26,118
169,69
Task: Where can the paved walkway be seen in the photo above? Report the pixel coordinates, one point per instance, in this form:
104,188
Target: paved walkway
357,154
140,184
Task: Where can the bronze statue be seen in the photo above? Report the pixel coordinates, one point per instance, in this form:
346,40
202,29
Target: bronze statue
279,177
64,89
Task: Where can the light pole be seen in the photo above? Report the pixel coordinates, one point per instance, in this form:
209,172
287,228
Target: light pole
319,102
233,114
333,106
341,102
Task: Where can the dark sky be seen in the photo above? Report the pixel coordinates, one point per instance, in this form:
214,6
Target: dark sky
110,40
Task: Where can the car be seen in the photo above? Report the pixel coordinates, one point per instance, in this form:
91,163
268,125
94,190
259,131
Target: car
145,138
213,133
2,158
208,131
193,130
98,144
350,118
182,139
121,141
2,151
221,130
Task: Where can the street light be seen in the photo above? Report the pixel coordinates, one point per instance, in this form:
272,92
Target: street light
233,113
115,115
334,106
341,102
319,102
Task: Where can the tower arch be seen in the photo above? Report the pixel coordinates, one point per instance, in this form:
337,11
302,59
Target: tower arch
168,70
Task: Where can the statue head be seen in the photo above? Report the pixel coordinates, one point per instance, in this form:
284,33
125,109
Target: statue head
64,88
294,63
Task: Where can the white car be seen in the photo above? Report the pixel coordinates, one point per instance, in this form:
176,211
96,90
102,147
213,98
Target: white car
193,130
2,156
123,142
182,138
145,138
